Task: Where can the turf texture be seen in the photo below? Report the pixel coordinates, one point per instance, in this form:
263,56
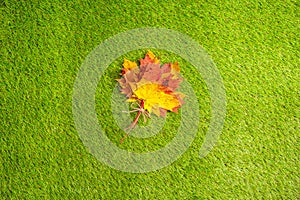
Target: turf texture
254,44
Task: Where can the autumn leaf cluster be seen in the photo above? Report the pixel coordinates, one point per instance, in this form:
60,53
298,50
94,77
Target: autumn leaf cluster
152,83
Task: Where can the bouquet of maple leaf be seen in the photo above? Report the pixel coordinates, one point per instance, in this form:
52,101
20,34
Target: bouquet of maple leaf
151,86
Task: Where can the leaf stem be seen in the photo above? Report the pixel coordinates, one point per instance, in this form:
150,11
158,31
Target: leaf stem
135,121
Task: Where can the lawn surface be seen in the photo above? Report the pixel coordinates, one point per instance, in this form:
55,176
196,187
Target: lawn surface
254,44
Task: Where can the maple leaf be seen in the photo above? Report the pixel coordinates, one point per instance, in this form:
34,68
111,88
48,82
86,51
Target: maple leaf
155,95
152,85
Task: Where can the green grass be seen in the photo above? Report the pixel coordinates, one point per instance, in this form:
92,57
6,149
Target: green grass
255,46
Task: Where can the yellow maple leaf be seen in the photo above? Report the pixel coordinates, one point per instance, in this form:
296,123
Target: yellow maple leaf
156,96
